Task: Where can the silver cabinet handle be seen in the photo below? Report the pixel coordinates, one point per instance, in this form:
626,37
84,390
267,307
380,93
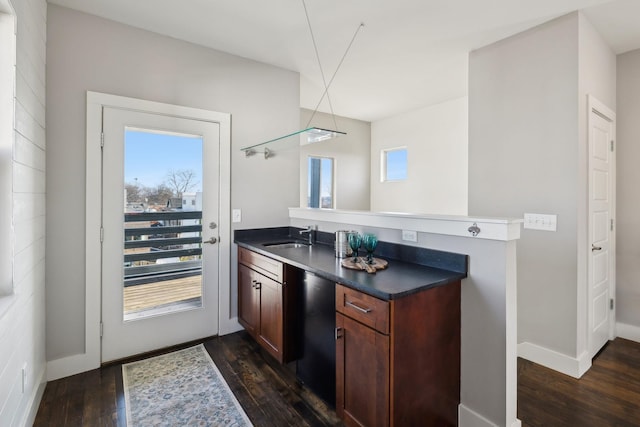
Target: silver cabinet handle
364,310
211,241
595,248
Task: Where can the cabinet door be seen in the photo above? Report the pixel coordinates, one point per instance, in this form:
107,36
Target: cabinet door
362,374
248,299
271,332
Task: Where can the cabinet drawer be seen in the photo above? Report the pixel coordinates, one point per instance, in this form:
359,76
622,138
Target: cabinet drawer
262,264
364,308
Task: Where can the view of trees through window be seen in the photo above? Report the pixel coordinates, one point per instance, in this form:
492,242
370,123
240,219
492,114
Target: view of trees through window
162,247
176,183
160,166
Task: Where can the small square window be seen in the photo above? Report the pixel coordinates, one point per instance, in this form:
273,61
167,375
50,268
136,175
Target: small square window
394,164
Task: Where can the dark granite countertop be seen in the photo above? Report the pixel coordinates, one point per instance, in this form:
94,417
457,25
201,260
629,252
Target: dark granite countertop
427,268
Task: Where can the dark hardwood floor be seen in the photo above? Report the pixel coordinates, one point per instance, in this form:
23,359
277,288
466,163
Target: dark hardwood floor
268,392
607,395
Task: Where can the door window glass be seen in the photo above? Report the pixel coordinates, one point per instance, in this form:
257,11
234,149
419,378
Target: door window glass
162,248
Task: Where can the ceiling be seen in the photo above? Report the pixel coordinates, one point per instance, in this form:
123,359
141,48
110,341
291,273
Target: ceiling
409,54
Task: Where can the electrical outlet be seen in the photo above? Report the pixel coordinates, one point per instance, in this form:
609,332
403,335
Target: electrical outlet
236,215
540,222
409,236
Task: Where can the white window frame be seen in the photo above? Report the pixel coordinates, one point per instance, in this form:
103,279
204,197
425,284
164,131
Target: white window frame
333,179
8,39
383,163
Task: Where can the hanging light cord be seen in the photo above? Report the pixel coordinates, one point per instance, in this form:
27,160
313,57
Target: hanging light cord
324,81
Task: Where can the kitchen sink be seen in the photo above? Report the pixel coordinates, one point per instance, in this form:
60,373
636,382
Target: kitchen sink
286,245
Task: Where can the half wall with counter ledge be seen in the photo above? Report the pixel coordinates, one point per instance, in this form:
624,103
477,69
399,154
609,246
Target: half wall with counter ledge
489,309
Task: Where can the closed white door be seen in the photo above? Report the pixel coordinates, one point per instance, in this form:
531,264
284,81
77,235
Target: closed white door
160,209
601,216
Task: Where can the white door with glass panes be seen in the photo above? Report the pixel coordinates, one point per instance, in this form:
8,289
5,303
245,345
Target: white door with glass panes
160,209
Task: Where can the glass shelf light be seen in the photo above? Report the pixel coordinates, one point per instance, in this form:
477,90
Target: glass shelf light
312,134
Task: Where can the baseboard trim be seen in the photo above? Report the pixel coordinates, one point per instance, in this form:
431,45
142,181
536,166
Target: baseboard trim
78,363
574,367
71,365
34,402
628,332
469,418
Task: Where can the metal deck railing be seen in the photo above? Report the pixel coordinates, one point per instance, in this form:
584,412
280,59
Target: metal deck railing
172,234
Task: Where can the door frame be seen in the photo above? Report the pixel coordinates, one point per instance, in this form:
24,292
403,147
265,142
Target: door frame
93,208
597,107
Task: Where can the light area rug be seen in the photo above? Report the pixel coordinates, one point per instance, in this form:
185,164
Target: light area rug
182,388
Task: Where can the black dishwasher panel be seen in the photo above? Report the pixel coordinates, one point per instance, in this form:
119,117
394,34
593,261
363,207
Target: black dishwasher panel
317,366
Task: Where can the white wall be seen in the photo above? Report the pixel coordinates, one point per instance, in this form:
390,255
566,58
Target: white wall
523,135
527,145
628,206
22,326
351,159
436,138
85,52
596,77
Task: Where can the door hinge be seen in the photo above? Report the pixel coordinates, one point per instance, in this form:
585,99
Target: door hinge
101,139
612,143
338,333
611,225
101,329
611,304
101,234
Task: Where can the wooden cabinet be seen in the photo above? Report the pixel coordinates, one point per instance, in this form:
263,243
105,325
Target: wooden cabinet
267,292
271,332
398,361
248,299
362,374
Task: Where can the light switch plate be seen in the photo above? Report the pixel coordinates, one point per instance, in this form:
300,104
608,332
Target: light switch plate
236,215
409,236
543,222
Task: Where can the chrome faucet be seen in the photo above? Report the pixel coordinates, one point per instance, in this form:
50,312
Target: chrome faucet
311,233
